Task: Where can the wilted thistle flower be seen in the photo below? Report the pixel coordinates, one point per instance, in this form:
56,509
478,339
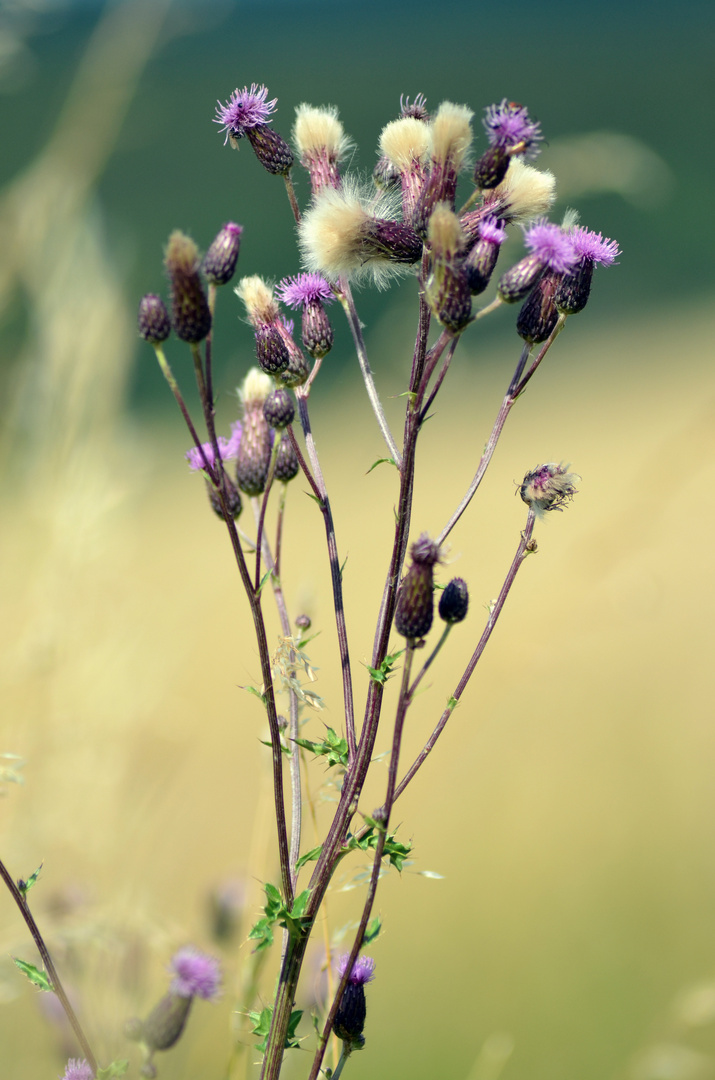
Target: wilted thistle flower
405,145
321,143
264,316
483,254
350,1017
154,322
548,487
550,249
287,465
510,131
524,194
454,601
415,603
310,292
574,288
351,232
77,1069
195,975
190,315
447,289
254,451
451,132
220,260
246,113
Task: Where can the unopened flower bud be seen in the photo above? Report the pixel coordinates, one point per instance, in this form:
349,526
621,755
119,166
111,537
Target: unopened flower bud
190,314
415,604
548,487
233,498
454,601
483,254
226,905
538,316
352,1011
165,1023
254,451
287,464
271,352
278,409
154,322
220,260
303,622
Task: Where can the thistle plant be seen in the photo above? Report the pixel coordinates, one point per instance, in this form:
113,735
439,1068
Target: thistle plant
408,220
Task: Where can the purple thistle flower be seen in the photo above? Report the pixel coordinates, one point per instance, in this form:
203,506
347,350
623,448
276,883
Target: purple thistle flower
363,969
591,245
304,289
195,974
417,108
490,229
289,324
509,124
195,459
78,1069
551,246
245,109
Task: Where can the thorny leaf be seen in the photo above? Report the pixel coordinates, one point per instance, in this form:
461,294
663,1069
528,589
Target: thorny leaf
382,674
36,977
332,747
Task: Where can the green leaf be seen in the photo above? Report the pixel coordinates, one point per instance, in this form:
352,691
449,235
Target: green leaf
372,930
382,674
25,886
381,461
256,693
332,747
266,577
262,1026
267,742
262,933
117,1068
299,904
393,850
452,704
36,977
273,895
310,856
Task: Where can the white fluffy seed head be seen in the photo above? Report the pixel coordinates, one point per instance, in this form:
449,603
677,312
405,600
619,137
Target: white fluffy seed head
405,142
257,295
451,133
331,233
317,131
444,231
525,192
255,388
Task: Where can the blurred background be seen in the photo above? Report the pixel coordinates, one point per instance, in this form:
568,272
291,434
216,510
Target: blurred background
556,920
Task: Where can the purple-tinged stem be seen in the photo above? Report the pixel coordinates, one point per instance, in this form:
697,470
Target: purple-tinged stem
423,325
290,191
262,514
346,299
526,546
174,387
335,572
49,966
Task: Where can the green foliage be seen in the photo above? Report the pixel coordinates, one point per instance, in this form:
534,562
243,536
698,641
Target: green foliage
310,856
117,1068
382,674
266,577
36,977
262,1025
256,693
395,851
372,931
275,911
334,748
25,886
381,461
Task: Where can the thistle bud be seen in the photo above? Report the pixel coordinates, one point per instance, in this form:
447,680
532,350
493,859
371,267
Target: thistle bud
271,352
246,114
446,289
520,279
538,316
154,323
287,464
415,604
454,601
483,254
165,1024
303,622
548,487
190,314
264,316
352,1011
220,260
254,452
234,504
278,409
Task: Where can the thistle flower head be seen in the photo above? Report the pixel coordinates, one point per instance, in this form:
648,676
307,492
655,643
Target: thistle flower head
415,603
492,230
416,108
548,487
245,109
551,245
304,289
509,124
406,143
257,295
255,388
319,132
196,974
591,245
363,970
351,232
523,194
196,459
451,134
444,232
77,1069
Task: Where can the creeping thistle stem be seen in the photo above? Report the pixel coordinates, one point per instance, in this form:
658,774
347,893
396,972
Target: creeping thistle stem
48,965
174,387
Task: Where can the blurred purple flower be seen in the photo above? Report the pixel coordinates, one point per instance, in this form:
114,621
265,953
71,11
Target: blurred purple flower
196,974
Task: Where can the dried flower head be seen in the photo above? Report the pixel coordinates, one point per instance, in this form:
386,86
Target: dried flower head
523,194
257,295
321,143
451,132
548,487
406,145
447,290
352,232
416,108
